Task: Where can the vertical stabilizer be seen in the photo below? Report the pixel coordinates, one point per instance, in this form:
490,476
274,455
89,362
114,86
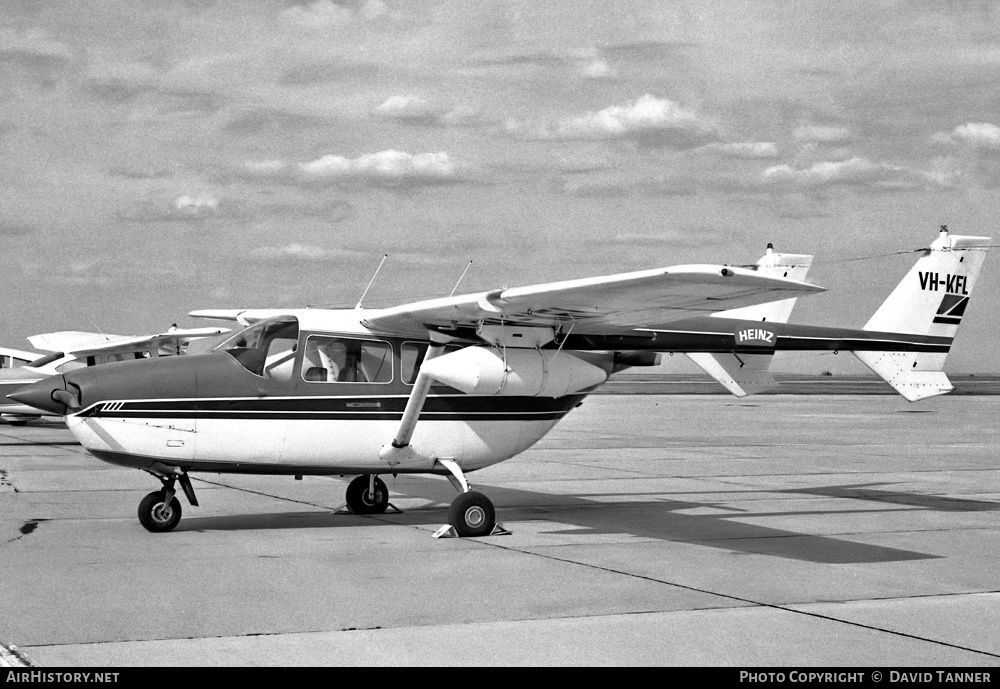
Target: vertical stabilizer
930,301
747,374
774,264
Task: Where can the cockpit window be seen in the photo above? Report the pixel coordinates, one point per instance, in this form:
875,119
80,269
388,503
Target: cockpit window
346,360
266,348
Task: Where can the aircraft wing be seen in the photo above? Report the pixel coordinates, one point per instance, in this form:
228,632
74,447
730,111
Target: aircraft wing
76,342
598,305
241,316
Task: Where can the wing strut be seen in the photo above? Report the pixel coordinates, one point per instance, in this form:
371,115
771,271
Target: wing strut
399,450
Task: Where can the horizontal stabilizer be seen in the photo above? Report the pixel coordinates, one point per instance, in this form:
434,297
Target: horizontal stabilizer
742,375
902,371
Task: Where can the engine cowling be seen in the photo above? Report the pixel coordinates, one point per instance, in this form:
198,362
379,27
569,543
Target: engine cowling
527,372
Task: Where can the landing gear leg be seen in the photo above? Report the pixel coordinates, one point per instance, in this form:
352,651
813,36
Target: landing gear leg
160,511
367,494
471,513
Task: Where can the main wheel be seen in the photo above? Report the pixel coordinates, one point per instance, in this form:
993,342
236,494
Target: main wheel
361,500
156,515
472,514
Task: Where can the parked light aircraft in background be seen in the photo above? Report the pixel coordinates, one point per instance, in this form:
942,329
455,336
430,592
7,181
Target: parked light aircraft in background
71,349
12,358
452,385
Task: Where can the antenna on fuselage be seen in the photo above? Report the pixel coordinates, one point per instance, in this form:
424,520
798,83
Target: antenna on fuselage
358,305
460,279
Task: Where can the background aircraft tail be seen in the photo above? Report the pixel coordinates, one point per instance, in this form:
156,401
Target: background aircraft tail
748,374
930,301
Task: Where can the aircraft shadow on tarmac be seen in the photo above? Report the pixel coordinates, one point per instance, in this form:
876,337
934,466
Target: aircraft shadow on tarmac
642,517
866,491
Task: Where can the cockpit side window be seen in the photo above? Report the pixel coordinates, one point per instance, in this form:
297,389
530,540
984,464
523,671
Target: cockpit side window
330,359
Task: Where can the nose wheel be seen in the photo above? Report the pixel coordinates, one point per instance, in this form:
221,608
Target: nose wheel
157,513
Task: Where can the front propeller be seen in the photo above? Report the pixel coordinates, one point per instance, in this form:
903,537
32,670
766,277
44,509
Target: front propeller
53,395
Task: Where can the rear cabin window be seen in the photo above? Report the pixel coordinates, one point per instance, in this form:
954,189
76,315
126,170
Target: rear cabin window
346,360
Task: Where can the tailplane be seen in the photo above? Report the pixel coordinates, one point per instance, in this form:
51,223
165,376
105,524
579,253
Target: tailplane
748,374
930,301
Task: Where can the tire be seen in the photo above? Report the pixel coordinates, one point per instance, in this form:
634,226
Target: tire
361,501
472,514
157,517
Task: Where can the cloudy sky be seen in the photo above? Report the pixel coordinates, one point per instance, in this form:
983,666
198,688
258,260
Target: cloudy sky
161,156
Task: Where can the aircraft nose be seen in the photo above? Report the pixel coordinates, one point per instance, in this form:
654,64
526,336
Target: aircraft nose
50,394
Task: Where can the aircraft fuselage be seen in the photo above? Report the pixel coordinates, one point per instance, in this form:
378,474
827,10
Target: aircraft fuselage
210,413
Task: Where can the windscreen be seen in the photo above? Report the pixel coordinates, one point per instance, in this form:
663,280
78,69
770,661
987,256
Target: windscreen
266,348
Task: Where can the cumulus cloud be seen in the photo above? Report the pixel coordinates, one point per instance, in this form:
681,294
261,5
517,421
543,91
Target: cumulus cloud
976,135
200,205
388,167
857,172
598,68
406,108
417,110
384,165
182,208
650,120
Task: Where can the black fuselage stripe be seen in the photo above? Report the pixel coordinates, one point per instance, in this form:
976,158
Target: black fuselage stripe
327,416
463,408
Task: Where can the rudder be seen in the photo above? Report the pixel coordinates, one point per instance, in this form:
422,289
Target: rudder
930,301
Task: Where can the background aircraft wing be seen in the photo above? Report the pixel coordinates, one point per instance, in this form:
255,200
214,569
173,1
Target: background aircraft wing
605,304
77,342
73,340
